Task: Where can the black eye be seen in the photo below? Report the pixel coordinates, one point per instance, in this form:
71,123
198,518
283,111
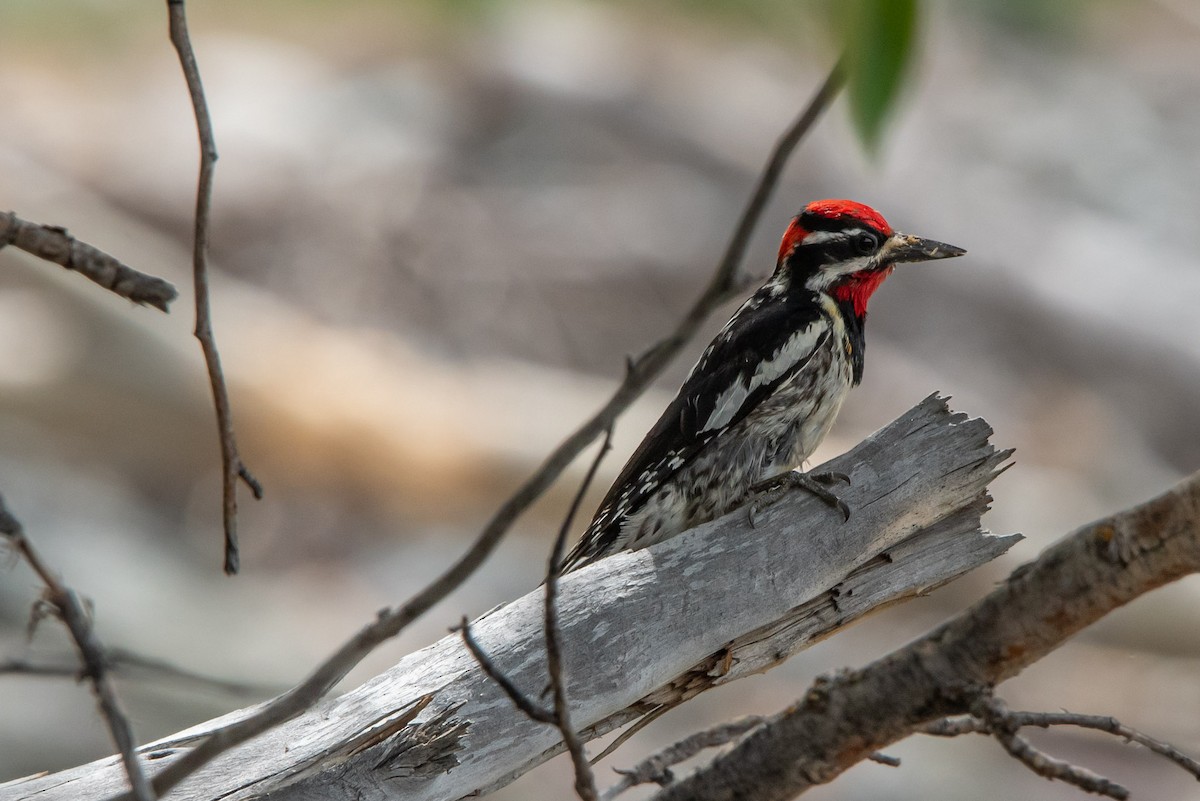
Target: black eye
865,244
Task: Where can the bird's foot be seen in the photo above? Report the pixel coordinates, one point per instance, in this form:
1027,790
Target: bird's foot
769,491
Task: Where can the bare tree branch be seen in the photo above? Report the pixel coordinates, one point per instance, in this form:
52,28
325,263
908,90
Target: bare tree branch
52,243
67,607
1112,726
133,666
992,717
528,707
1048,767
232,465
657,768
585,781
642,372
1075,582
1004,728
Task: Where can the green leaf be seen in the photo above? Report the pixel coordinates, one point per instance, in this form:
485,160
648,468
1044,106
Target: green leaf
879,38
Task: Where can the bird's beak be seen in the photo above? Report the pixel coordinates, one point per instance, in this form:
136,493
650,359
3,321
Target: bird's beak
906,248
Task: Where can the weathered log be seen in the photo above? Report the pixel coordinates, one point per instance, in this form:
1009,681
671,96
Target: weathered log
640,630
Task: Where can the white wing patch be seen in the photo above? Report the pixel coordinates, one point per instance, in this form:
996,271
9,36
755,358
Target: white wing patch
727,405
796,349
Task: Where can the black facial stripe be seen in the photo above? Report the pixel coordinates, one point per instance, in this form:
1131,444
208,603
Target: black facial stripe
807,259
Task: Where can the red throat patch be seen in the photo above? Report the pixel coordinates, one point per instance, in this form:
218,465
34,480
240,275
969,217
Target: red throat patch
857,288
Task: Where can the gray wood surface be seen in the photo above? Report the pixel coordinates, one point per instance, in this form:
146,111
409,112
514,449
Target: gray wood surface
640,630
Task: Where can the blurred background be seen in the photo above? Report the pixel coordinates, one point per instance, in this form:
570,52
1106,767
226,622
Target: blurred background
439,229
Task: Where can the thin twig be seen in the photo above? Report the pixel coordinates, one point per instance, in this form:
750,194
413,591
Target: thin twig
531,709
1112,726
1048,767
724,281
585,780
392,621
53,243
628,733
134,666
68,608
232,466
995,719
994,713
657,768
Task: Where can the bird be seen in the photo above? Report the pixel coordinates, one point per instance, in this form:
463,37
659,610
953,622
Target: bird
766,390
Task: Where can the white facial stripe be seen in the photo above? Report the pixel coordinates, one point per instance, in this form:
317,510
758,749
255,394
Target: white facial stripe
830,273
797,349
820,237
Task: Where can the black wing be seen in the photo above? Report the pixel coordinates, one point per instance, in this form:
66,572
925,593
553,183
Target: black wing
762,346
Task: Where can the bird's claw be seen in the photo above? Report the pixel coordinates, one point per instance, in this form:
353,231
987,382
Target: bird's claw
813,482
843,508
830,477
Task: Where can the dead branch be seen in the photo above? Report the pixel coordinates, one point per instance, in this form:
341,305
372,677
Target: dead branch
232,465
1004,729
1048,767
53,243
638,630
1075,582
992,717
585,780
526,705
134,666
657,768
66,606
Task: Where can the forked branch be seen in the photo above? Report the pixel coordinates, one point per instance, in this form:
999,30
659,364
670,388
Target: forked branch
991,716
63,602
